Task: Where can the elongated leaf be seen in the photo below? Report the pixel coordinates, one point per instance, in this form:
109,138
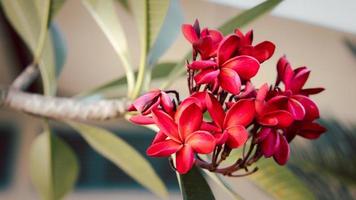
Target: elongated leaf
236,22
53,166
279,181
194,186
56,5
59,46
123,155
105,15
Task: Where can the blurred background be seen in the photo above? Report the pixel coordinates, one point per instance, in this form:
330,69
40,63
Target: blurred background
318,34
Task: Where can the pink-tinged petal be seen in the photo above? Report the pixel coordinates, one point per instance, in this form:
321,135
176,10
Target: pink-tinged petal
260,98
141,120
131,108
237,136
296,109
227,48
279,102
245,66
221,138
201,141
282,64
166,102
205,47
166,124
189,121
215,110
263,51
189,33
241,113
210,127
159,137
311,109
216,35
185,103
206,76
229,80
281,156
249,37
262,134
202,64
148,109
311,130
164,148
270,144
200,96
299,80
284,118
141,103
268,120
185,159
311,91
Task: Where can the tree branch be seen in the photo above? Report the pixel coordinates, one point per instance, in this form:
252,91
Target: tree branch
24,80
64,108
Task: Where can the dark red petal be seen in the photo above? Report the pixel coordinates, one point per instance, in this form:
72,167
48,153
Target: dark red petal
299,80
205,47
282,64
163,149
202,64
284,118
215,110
206,76
260,98
189,121
281,156
229,80
159,137
311,109
237,136
249,37
184,159
189,33
296,109
216,35
311,130
201,141
262,134
166,124
227,48
141,102
270,144
311,91
241,113
166,102
245,66
141,120
221,138
263,51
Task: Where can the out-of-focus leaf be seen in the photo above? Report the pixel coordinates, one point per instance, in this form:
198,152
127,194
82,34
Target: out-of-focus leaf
194,186
168,33
123,155
60,47
106,17
160,71
56,5
124,3
30,20
279,181
53,166
238,21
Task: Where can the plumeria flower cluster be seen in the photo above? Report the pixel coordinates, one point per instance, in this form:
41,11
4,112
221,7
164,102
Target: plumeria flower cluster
225,111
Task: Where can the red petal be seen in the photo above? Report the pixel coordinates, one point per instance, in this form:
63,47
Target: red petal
311,130
202,64
215,110
226,48
200,96
141,102
184,159
201,142
262,134
296,109
187,102
163,149
249,37
284,118
241,113
206,76
282,65
205,47
299,80
166,102
159,137
263,51
141,120
229,80
245,66
221,138
270,144
282,154
210,127
260,98
189,121
311,91
237,136
166,124
311,109
189,33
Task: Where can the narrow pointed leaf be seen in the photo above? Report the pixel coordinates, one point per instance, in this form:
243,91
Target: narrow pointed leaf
123,155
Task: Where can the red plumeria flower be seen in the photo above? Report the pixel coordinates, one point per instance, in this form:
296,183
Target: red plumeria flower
145,103
231,125
228,70
307,129
204,42
262,51
183,138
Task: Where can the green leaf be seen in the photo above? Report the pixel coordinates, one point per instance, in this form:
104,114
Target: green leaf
124,4
194,186
105,15
159,71
279,181
56,5
123,155
59,46
53,166
228,27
